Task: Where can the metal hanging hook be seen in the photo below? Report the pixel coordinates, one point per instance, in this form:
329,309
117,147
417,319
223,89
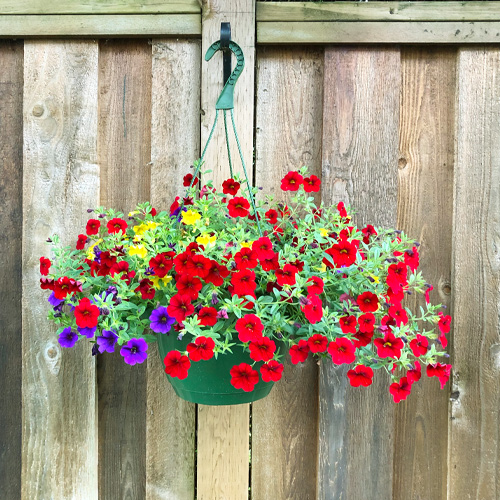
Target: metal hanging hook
226,98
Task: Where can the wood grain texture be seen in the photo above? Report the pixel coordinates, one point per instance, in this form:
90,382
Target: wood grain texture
354,32
87,25
11,215
288,136
30,7
175,143
60,182
360,158
223,431
124,151
377,11
474,458
425,211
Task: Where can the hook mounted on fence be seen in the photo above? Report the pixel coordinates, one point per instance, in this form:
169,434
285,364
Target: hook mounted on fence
226,98
225,38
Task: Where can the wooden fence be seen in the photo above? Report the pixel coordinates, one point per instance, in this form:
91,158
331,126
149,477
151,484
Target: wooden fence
409,135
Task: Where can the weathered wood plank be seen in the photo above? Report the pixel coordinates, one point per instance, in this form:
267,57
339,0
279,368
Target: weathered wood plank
11,215
124,151
175,143
288,136
61,181
87,25
29,7
378,11
425,211
223,431
360,158
474,458
377,32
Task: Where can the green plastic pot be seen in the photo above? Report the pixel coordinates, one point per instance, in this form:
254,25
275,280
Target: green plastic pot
209,382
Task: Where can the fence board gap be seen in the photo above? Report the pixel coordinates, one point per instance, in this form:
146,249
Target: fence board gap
124,149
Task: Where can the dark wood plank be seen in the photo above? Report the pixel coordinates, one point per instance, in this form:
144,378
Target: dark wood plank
124,151
360,158
11,215
474,458
425,211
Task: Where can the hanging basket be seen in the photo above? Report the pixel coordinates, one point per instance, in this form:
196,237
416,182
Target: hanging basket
209,382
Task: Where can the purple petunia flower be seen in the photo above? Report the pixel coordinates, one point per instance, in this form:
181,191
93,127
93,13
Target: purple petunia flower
222,314
87,332
134,351
161,322
106,342
53,301
68,338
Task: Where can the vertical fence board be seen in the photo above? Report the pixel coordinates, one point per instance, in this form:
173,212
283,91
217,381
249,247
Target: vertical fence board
288,136
425,211
223,431
360,148
474,460
11,213
124,151
60,182
175,143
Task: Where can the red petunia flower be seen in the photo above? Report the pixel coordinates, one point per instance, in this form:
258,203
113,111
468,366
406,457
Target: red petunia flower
82,241
397,276
389,347
272,216
230,186
400,390
271,264
399,314
249,328
246,259
342,351
342,254
238,207
361,375
271,371
348,324
442,372
116,225
312,184
313,310
216,273
243,376
175,205
180,307
119,267
286,276
411,258
186,180
201,349
395,297
414,374
93,226
419,345
317,343
262,349
366,322
362,338
243,282
86,314
62,287
176,364
263,248
299,352
444,323
291,182
368,231
181,262
207,316
367,302
341,209
44,266
146,289
198,265
427,292
188,284
47,284
316,287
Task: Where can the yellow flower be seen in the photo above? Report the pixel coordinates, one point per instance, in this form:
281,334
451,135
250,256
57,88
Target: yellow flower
156,280
131,214
206,239
190,217
139,230
246,244
151,225
138,250
323,232
375,278
322,268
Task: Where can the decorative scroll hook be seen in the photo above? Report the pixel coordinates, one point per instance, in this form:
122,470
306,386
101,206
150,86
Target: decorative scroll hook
226,98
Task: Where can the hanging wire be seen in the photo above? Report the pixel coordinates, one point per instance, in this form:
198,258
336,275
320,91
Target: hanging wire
228,148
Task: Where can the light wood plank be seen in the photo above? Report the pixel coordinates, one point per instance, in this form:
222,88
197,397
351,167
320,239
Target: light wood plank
86,25
425,211
474,458
377,32
288,136
11,211
29,7
360,158
124,157
175,143
61,180
223,431
378,11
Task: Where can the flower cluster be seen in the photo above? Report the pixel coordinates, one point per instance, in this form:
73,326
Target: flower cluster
263,276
